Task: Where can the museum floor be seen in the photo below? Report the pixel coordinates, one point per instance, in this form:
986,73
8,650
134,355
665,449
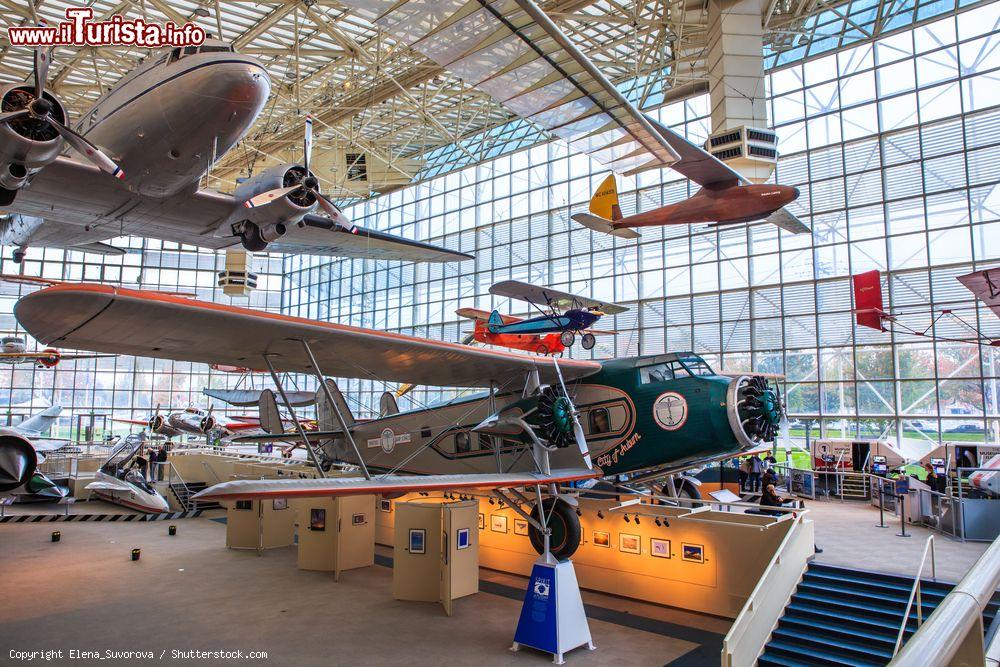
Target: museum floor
189,592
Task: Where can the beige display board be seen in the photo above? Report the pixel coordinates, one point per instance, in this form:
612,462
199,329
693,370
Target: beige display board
259,524
436,552
335,534
707,561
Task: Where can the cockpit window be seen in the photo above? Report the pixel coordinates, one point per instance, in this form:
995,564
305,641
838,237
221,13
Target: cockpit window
215,49
175,55
670,370
697,366
190,50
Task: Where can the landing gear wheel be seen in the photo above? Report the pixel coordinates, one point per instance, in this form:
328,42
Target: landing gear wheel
542,350
251,238
18,256
567,338
565,527
588,341
685,489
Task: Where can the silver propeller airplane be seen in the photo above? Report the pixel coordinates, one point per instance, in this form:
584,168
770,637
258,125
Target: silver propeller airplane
137,158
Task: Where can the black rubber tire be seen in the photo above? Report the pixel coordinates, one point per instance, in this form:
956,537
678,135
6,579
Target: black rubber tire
18,256
565,526
252,239
685,489
567,338
588,341
542,350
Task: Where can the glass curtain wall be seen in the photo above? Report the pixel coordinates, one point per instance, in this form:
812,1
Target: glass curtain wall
894,146
93,392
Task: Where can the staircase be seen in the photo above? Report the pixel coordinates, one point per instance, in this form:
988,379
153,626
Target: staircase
183,493
840,616
854,487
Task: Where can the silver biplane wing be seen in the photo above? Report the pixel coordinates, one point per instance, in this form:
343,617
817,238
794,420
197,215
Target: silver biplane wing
102,318
355,486
515,289
245,398
513,52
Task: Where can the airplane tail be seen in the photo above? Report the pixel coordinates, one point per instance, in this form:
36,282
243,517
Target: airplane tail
325,411
604,203
41,422
495,319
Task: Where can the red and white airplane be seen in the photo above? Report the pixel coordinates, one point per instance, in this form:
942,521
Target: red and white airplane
193,421
13,350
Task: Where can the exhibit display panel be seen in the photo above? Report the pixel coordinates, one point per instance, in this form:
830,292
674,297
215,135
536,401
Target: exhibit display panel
892,145
259,524
703,560
335,534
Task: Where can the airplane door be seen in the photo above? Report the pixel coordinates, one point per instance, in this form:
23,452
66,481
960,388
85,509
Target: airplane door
859,455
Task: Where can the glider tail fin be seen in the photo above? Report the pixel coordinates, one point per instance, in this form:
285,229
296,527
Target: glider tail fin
604,203
495,319
41,422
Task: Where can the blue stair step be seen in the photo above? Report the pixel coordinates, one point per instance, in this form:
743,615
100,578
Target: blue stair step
868,599
856,650
830,628
862,582
816,655
855,620
846,606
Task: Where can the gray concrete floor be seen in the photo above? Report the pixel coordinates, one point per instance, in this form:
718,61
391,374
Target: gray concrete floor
848,535
190,592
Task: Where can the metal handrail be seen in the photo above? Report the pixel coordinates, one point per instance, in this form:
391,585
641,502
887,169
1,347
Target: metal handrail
916,591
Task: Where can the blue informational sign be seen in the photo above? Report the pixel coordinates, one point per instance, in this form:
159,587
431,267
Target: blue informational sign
902,486
537,626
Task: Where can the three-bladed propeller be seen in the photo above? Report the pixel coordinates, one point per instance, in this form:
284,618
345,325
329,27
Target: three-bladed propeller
39,108
307,183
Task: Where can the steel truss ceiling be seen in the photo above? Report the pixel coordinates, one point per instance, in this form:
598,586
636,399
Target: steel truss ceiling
369,92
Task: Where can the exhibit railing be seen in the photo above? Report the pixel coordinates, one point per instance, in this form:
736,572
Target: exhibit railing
953,633
917,593
751,630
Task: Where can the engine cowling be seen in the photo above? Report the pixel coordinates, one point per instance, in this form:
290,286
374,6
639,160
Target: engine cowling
27,144
263,224
49,358
17,460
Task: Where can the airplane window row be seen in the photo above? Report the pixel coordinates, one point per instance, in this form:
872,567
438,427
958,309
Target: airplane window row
179,53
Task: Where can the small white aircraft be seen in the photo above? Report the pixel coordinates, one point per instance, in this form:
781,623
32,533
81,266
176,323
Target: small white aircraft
13,350
120,481
192,421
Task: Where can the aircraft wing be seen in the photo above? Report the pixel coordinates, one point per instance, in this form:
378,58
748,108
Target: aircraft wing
985,285
312,436
72,196
484,315
131,421
786,220
515,289
103,318
245,398
514,53
696,163
357,486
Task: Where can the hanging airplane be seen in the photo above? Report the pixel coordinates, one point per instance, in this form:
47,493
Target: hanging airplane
159,130
191,421
13,350
869,309
481,333
563,313
725,197
644,418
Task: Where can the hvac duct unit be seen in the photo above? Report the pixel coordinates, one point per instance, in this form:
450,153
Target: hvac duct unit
237,279
749,150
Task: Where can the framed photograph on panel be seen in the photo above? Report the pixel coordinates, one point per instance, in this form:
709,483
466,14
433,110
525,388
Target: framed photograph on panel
694,553
244,504
385,505
630,544
520,527
482,521
418,541
279,504
359,519
463,540
317,519
498,523
602,539
659,548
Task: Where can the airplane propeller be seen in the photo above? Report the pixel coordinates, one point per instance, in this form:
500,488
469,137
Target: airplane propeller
156,421
40,108
208,421
308,183
581,441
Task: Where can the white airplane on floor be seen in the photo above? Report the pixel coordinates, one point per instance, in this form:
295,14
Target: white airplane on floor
119,480
137,158
14,350
18,474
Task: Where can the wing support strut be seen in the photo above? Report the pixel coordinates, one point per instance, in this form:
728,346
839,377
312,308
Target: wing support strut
336,409
291,411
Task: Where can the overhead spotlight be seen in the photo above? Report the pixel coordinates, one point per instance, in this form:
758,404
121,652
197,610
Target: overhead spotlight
658,522
627,520
578,512
492,502
202,12
637,519
600,514
666,524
